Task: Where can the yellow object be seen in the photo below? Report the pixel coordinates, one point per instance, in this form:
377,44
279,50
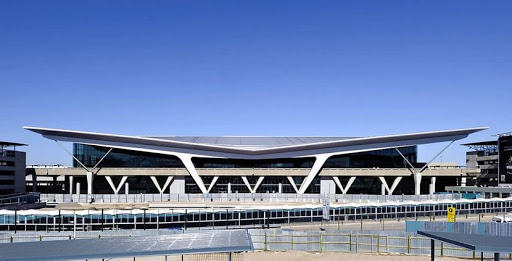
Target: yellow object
451,214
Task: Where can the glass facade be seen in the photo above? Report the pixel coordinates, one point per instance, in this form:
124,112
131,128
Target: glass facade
90,155
388,158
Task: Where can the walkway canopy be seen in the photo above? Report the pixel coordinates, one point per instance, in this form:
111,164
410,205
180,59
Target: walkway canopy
475,242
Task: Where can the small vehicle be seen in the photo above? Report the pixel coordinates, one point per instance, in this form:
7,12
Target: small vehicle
501,219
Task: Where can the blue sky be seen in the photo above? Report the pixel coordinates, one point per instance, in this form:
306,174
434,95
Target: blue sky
322,68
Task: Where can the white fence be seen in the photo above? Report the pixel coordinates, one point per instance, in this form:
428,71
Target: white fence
242,197
397,242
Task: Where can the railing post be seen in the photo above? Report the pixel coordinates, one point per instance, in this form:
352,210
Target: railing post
442,250
292,241
321,246
350,242
378,244
265,244
408,244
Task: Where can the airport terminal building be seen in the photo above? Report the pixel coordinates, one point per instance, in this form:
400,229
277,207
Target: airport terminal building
115,164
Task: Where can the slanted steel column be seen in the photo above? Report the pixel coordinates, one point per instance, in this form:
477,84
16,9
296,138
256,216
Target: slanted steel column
187,161
214,180
115,188
344,190
157,185
417,174
90,172
317,166
292,182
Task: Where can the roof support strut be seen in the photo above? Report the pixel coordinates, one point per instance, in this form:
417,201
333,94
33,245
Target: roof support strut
187,161
258,183
317,166
417,173
290,179
90,172
344,190
212,183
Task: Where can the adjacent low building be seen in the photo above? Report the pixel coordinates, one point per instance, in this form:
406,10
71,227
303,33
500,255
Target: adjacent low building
12,168
109,163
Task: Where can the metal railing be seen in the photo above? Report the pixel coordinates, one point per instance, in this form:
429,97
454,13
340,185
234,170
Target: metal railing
234,217
357,242
243,197
394,242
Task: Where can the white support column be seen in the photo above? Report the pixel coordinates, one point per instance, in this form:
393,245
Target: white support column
229,187
293,184
115,188
187,161
319,162
90,180
280,188
327,186
258,183
126,188
161,189
382,189
344,190
78,189
385,186
214,180
246,182
394,185
70,184
432,185
417,183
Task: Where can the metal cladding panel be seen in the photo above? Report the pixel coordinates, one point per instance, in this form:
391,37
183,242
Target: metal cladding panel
295,144
219,241
252,142
479,243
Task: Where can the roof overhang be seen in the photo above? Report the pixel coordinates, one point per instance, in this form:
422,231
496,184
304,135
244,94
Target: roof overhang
301,150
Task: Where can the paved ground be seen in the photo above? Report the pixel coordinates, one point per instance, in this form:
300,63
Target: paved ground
301,256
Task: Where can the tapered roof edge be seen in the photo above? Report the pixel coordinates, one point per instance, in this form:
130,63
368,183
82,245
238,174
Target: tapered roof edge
343,141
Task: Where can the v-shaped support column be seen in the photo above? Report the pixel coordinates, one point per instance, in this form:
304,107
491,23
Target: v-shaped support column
349,183
393,186
258,183
166,184
114,188
319,162
187,161
294,186
90,172
214,180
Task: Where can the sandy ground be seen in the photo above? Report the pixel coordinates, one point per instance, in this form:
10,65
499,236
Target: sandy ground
304,256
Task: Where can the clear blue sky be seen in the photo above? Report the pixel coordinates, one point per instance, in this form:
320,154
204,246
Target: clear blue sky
347,68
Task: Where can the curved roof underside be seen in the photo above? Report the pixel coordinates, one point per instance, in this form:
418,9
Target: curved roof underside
253,147
251,143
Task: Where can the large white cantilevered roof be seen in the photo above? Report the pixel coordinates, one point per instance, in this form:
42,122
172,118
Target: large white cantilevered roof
251,143
252,147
